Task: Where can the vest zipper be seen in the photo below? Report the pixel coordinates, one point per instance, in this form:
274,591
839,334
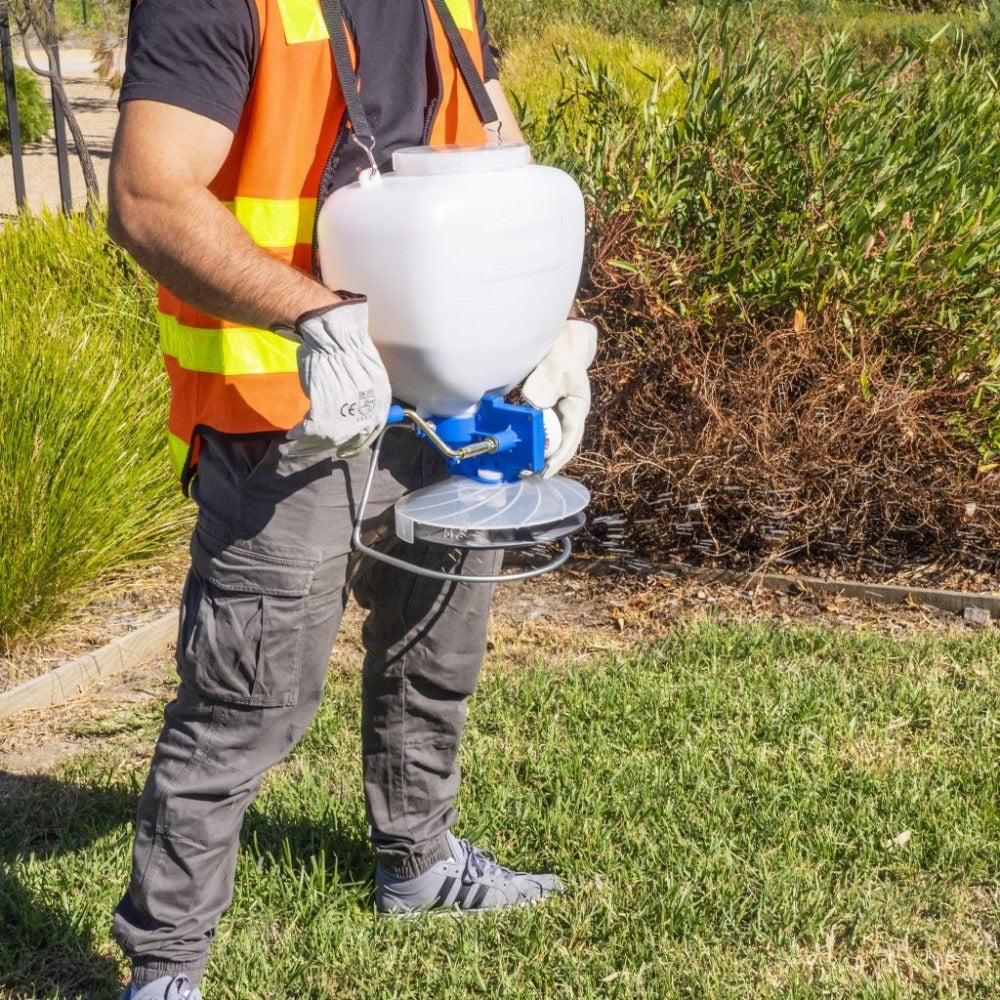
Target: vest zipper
435,103
325,183
429,113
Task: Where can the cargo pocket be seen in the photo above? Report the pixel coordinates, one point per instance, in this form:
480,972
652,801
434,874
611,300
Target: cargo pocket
242,626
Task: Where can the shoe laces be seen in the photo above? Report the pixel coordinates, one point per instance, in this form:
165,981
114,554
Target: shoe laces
480,864
179,989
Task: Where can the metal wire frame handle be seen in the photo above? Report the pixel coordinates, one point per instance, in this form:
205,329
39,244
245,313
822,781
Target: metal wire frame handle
436,574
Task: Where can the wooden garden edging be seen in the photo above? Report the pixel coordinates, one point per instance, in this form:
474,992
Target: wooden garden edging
959,601
71,678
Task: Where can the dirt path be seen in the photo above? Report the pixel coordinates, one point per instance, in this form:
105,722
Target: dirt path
96,109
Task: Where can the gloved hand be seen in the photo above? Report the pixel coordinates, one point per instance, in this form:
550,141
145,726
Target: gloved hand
560,382
344,378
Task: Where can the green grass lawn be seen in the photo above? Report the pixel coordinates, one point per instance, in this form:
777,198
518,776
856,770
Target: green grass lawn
738,811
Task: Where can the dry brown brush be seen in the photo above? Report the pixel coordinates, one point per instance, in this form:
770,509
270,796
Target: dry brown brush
757,449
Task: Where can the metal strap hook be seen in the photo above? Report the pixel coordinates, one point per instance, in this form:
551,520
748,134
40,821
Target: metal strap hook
369,149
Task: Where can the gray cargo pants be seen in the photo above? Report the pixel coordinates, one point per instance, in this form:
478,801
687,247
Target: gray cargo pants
270,572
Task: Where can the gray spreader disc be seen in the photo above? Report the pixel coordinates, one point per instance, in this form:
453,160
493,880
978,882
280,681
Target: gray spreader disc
471,514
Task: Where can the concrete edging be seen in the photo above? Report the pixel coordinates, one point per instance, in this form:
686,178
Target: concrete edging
69,679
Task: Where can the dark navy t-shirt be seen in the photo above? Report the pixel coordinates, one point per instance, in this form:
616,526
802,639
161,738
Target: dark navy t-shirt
200,55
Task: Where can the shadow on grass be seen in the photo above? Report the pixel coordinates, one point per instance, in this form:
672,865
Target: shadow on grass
47,947
50,944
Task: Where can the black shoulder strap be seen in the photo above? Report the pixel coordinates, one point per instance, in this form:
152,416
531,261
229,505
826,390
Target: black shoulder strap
336,27
484,106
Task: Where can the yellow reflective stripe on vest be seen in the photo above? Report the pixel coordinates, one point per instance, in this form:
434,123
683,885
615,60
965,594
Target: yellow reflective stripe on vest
241,350
302,21
178,451
461,10
275,222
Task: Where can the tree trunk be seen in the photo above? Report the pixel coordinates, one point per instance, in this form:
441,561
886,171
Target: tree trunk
43,29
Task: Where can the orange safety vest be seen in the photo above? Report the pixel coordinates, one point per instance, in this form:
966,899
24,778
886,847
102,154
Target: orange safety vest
238,379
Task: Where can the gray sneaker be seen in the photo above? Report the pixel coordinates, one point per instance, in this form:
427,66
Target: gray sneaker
469,881
167,988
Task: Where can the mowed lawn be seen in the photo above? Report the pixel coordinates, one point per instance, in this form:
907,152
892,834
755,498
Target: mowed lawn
738,811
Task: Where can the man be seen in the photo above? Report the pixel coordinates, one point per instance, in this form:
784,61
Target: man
232,132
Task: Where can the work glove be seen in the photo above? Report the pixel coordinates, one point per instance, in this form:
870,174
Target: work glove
344,378
560,383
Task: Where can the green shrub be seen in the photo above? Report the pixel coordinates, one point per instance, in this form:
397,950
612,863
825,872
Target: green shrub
800,269
85,487
536,68
103,16
650,20
879,28
841,190
984,35
33,111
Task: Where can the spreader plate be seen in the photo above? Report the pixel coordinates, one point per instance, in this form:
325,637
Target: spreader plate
467,513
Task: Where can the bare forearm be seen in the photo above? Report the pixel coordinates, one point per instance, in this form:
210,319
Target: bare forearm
192,244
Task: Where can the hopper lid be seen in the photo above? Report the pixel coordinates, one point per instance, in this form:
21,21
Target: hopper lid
424,161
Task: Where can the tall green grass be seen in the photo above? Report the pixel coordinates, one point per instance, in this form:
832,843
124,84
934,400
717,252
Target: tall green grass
85,488
863,194
538,70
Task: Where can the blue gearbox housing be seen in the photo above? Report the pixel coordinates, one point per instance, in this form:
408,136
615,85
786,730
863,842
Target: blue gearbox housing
518,430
